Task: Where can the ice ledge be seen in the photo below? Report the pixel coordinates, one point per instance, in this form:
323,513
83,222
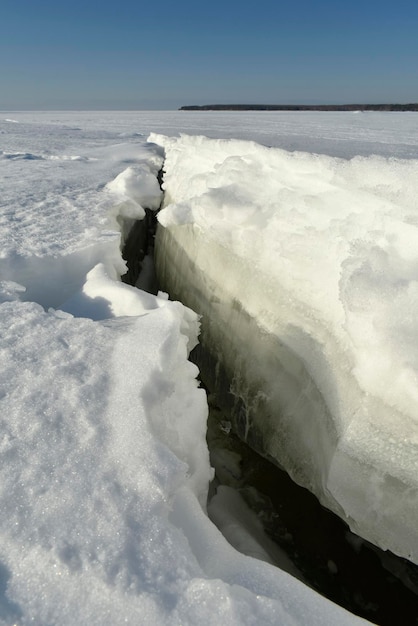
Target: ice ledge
305,320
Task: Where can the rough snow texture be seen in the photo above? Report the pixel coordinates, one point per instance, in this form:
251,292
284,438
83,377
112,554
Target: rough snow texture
66,194
309,264
105,469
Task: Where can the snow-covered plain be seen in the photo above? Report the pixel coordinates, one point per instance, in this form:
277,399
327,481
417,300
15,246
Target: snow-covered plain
104,468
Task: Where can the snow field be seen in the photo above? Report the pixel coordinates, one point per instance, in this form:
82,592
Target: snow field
62,214
86,483
105,468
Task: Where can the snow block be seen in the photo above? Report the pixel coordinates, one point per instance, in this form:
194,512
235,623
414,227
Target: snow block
303,268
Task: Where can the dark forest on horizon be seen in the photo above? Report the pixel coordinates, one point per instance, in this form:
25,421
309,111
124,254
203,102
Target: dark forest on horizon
301,107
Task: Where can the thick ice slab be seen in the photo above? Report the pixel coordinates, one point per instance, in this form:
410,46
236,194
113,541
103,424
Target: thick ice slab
305,270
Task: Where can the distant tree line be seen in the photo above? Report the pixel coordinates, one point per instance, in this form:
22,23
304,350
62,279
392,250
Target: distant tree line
301,107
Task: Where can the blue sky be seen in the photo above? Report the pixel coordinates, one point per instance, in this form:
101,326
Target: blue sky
161,55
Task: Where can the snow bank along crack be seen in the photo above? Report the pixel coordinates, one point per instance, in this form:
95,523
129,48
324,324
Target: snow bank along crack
138,248
301,267
305,267
70,224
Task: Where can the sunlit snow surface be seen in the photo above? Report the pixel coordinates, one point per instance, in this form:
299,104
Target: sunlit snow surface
104,463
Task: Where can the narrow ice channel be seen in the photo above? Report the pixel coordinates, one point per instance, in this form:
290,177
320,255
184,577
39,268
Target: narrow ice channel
280,376
258,508
261,511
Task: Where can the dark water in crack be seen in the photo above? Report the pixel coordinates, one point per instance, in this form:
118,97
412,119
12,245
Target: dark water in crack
330,559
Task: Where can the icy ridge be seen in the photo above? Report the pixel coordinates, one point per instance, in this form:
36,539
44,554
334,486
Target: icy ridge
333,278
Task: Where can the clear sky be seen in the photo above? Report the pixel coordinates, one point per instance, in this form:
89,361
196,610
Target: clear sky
101,54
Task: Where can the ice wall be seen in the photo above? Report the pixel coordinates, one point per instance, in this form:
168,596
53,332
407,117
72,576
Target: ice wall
305,270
